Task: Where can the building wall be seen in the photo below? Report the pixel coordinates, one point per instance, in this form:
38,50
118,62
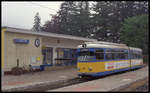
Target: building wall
26,53
59,43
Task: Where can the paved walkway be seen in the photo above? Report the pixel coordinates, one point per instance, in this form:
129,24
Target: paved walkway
109,83
11,81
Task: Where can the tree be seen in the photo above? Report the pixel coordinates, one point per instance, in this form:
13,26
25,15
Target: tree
52,25
37,23
100,20
135,32
61,23
109,15
103,23
72,19
67,10
81,21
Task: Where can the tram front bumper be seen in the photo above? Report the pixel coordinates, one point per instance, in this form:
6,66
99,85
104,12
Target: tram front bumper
87,74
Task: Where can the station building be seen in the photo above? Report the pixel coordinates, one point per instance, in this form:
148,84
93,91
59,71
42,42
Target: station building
23,47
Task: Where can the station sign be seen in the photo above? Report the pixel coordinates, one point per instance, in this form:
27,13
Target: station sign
21,41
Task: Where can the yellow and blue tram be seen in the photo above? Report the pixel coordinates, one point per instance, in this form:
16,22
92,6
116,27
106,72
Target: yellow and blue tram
103,58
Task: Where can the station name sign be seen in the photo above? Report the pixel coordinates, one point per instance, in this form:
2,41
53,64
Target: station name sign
21,41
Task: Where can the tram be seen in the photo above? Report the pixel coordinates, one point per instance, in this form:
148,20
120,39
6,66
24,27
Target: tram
103,58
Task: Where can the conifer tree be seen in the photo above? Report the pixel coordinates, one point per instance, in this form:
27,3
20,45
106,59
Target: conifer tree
37,23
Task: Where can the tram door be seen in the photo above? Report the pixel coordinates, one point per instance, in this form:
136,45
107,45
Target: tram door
47,55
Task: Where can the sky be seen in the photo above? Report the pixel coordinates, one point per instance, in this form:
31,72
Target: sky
21,14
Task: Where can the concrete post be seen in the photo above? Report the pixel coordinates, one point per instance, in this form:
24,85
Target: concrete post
2,73
54,55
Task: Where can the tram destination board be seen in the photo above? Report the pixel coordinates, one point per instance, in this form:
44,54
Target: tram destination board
83,49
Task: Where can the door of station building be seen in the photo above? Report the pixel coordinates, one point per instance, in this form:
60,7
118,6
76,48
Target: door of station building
21,55
47,55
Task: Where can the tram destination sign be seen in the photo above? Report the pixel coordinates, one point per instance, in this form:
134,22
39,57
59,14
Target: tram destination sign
83,49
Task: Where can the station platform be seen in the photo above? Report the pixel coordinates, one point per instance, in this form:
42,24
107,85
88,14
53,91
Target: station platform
109,83
11,82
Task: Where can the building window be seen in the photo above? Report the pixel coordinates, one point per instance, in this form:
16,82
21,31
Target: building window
60,53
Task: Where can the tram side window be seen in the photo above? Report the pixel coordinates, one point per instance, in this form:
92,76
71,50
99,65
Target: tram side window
86,56
140,55
108,54
112,53
122,55
126,54
132,55
99,54
136,54
117,56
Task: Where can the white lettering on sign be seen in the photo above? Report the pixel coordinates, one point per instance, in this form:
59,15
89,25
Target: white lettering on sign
116,65
122,64
136,62
109,65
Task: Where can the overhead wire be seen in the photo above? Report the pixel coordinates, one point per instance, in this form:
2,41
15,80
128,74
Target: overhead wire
42,6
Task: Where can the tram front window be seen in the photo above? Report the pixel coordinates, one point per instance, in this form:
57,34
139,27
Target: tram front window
86,56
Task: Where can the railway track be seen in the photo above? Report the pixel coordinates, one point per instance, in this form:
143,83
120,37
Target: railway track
55,84
141,85
61,83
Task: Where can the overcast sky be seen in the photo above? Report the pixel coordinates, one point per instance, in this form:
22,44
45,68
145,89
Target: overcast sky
21,14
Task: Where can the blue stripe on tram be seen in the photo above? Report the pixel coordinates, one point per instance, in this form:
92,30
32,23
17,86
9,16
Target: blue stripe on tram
111,72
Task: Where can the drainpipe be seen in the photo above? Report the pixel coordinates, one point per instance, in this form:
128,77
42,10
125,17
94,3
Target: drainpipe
17,62
3,48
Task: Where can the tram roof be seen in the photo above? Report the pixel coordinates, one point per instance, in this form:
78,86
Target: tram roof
133,48
105,43
102,44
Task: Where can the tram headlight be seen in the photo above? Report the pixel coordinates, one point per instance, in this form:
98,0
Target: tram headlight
90,69
78,69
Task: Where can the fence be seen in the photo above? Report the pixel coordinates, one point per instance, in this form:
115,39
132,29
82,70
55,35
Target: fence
65,62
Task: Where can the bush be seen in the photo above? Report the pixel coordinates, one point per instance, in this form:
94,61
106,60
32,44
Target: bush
146,59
